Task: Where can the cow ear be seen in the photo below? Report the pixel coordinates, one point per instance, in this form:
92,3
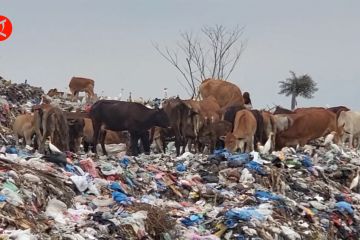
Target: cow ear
222,138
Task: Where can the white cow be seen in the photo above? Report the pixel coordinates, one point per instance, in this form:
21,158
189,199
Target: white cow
349,121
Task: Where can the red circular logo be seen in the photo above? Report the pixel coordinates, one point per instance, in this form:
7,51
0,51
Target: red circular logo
5,28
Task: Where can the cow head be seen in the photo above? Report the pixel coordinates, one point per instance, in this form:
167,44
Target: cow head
230,141
76,132
161,118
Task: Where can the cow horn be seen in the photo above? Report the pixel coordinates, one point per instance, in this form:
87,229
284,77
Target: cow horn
222,138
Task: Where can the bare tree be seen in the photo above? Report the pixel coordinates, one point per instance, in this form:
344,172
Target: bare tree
214,56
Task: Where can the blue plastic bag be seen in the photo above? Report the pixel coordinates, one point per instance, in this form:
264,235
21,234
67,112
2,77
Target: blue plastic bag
238,160
265,196
121,198
306,161
124,162
2,198
244,214
252,165
180,167
11,150
344,207
192,220
116,187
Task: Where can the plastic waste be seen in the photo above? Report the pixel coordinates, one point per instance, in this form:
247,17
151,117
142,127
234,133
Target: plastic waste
124,162
192,220
56,209
81,182
238,160
32,178
2,198
11,150
12,197
22,235
265,196
289,233
121,198
344,207
116,187
181,167
247,213
89,166
246,176
254,166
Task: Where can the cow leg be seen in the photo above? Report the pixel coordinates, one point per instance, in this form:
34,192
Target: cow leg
16,139
102,141
145,142
159,145
251,144
351,139
27,136
134,143
86,146
184,143
96,128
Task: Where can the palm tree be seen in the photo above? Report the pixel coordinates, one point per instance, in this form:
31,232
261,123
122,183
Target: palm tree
295,86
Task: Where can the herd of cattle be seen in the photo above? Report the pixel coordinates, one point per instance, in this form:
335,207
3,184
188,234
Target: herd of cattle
224,117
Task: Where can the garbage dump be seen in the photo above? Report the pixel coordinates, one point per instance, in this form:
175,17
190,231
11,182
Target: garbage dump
308,193
287,194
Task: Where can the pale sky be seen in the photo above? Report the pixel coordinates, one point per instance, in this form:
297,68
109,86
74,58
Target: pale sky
111,42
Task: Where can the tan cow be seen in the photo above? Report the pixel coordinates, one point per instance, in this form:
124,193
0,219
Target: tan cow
243,133
24,127
79,84
226,94
111,137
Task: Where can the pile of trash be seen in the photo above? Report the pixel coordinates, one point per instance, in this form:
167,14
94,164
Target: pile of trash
19,93
14,99
307,193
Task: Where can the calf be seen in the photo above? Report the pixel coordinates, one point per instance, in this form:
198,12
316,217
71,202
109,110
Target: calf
110,137
211,134
230,113
243,132
79,84
24,127
76,132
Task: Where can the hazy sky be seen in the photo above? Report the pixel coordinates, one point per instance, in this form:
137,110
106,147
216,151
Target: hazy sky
111,42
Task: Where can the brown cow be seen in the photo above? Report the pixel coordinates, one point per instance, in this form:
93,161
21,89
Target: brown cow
269,127
183,120
79,84
305,125
76,133
243,133
208,111
51,122
211,134
111,137
226,93
24,127
161,136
